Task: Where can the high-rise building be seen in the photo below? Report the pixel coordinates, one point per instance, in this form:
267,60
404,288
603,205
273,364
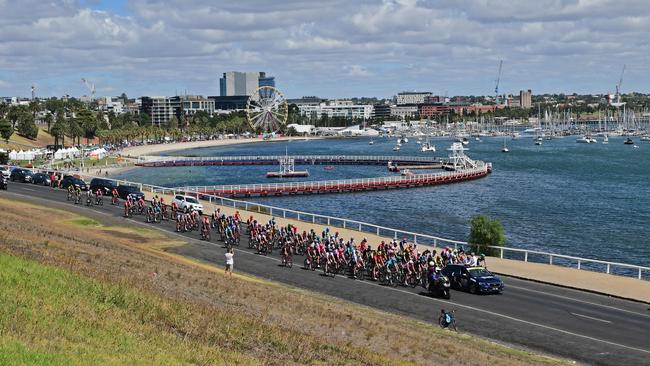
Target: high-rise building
160,109
243,83
525,98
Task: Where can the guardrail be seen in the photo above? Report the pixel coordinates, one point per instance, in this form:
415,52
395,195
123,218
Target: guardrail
324,184
629,270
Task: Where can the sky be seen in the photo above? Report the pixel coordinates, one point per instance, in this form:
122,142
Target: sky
328,48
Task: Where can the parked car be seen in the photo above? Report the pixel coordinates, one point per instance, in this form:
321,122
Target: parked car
476,280
69,180
106,185
41,178
21,175
124,191
187,203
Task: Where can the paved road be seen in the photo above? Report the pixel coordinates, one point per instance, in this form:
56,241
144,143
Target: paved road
578,325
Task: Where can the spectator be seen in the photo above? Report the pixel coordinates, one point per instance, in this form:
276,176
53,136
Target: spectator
229,261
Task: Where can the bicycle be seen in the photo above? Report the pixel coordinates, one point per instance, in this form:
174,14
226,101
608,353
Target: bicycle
99,201
287,260
447,320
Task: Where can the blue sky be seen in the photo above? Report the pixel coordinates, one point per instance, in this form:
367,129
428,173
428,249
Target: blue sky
330,48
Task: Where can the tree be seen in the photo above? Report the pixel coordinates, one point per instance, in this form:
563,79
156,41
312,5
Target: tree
88,124
5,129
172,123
485,232
144,120
48,121
75,131
26,126
59,129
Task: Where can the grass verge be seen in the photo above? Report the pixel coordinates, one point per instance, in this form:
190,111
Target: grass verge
87,294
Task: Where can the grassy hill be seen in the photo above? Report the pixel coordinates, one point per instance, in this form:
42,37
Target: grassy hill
17,142
75,291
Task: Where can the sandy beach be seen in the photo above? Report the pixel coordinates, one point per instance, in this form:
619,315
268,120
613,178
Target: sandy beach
154,149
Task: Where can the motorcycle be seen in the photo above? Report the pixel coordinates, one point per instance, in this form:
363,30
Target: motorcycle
440,288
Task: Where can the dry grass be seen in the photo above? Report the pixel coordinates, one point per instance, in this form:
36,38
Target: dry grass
257,321
17,142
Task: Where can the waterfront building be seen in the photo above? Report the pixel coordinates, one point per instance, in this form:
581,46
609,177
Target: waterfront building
229,103
190,104
111,104
381,111
160,109
525,98
343,109
404,111
235,83
412,97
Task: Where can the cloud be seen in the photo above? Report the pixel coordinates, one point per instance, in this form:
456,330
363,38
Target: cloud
327,48
358,70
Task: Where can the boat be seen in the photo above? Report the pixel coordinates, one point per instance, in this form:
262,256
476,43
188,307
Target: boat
287,165
397,147
606,140
628,141
329,167
583,140
407,173
392,168
505,148
645,138
538,141
372,142
428,147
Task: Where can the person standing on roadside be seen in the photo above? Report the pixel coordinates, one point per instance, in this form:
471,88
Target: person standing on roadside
229,261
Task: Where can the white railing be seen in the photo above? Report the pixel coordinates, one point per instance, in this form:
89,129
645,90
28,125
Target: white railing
329,184
418,238
333,158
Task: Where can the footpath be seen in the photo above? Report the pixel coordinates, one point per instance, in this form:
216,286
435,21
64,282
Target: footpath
613,285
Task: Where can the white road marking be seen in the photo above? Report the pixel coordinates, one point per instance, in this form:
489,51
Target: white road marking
580,301
591,317
414,294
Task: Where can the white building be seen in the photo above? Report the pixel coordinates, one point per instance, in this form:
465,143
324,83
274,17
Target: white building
341,109
412,97
404,111
191,104
111,104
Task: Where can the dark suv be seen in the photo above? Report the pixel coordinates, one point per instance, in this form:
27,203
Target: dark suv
476,280
69,180
106,185
21,175
124,191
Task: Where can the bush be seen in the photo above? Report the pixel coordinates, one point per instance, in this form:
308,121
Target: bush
4,158
486,232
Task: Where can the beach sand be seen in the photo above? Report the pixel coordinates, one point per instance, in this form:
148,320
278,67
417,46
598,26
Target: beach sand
154,149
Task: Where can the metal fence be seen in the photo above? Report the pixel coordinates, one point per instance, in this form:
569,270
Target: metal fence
351,158
525,255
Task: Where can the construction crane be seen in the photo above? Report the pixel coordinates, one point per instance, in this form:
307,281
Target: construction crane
90,87
617,96
496,88
33,92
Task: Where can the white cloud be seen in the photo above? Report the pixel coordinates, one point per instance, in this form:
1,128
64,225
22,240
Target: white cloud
311,47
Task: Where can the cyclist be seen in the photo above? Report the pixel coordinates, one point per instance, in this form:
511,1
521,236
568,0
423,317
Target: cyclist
141,204
70,192
77,193
115,196
98,196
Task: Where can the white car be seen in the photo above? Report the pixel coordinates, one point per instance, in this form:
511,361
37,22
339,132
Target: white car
187,203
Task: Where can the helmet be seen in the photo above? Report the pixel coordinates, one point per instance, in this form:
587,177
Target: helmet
437,269
431,264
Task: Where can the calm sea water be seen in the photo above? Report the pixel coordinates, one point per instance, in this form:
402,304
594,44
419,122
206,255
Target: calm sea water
590,200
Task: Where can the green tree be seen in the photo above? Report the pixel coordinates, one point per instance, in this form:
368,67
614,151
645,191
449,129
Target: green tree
172,123
5,129
59,129
486,232
88,124
48,120
26,126
144,120
75,130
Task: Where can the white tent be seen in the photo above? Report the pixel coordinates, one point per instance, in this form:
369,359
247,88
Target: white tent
13,154
98,153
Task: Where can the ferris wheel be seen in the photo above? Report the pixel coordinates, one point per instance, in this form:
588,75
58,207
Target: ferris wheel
267,109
